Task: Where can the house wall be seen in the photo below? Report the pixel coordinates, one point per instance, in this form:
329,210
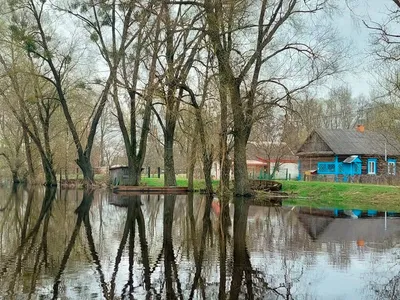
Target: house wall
292,169
311,163
382,165
289,170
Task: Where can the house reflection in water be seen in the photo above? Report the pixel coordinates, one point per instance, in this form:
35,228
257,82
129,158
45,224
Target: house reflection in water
366,227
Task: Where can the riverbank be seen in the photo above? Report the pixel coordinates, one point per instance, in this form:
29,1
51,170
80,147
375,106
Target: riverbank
342,195
322,194
198,184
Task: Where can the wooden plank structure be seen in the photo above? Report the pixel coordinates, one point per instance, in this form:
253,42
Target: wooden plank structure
345,153
131,190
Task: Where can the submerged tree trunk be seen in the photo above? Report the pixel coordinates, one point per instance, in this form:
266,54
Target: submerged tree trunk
224,161
192,159
135,171
29,160
241,185
241,261
49,172
86,166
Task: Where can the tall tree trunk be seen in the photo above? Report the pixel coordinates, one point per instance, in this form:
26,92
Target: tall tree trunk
192,159
169,164
241,181
224,161
135,170
29,160
86,166
49,172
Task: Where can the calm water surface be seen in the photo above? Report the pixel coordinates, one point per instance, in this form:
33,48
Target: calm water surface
74,245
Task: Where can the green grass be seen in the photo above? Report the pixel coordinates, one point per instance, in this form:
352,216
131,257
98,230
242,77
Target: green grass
180,181
343,195
320,194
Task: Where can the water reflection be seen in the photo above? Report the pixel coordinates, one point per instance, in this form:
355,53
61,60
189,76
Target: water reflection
97,245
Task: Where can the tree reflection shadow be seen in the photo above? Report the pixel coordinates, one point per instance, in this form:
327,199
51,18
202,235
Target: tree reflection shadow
198,254
241,258
223,237
82,213
232,275
12,267
134,214
170,268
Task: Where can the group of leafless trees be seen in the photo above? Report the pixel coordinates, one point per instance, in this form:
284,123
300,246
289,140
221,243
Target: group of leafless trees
77,77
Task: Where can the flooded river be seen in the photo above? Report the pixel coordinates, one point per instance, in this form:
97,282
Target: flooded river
73,245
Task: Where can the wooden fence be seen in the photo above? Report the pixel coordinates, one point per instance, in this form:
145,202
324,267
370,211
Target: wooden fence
364,179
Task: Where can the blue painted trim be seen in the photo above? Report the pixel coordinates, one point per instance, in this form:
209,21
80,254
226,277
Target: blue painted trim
375,160
393,161
336,167
299,169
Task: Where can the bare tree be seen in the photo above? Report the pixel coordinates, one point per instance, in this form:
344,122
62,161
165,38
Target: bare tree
40,46
243,72
147,37
32,102
182,41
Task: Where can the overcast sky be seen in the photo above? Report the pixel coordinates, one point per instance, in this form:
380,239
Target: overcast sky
361,79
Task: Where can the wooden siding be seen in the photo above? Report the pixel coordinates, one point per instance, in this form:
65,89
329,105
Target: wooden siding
314,143
311,163
382,165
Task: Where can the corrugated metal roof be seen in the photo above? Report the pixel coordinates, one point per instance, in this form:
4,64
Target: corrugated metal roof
351,159
353,142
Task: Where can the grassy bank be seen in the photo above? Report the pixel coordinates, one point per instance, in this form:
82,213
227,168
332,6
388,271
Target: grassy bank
322,194
180,181
343,195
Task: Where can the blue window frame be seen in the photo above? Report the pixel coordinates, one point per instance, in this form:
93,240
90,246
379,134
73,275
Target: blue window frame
392,166
371,165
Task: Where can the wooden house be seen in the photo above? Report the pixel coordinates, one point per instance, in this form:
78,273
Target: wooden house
341,153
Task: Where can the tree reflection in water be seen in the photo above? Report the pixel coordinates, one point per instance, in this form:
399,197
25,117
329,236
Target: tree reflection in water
134,214
28,249
154,247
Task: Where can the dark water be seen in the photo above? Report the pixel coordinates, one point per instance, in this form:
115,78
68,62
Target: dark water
76,245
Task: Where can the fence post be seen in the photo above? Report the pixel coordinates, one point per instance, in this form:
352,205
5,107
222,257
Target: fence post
148,172
159,172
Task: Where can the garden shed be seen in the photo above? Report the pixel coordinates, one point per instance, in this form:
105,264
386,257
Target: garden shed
119,175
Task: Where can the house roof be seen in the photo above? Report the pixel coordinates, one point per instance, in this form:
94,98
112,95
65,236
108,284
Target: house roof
353,142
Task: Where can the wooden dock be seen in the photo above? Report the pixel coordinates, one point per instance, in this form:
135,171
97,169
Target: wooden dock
132,190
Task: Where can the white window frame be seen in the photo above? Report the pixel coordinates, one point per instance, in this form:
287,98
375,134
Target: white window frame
393,163
372,167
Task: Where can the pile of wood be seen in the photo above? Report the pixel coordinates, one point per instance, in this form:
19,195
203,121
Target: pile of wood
265,185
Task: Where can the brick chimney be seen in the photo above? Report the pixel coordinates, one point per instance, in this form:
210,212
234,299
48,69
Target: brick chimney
360,128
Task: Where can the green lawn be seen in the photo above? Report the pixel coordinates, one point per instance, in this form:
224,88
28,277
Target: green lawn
343,195
180,181
321,194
